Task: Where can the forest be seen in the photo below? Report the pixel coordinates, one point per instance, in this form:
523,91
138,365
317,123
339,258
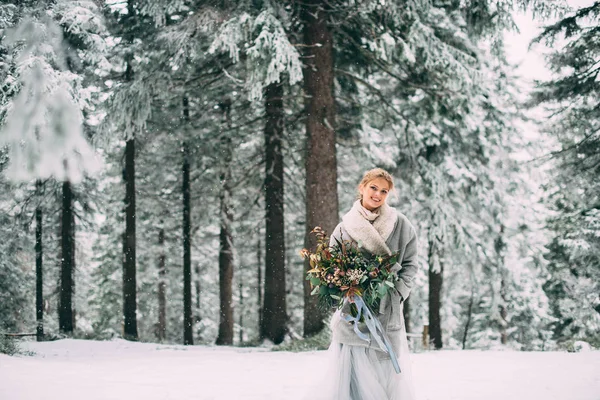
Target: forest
162,163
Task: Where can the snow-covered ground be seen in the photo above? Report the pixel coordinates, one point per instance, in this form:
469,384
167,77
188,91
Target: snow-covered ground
90,370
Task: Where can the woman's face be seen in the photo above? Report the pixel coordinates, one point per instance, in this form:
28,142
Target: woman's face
374,193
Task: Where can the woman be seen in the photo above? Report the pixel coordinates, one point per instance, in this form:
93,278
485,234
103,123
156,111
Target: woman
361,370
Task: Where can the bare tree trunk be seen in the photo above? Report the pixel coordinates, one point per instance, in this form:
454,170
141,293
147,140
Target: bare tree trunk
469,317
129,263
274,317
73,270
197,315
435,295
188,320
65,314
320,161
241,312
162,287
39,277
500,247
406,312
225,335
259,300
503,314
130,331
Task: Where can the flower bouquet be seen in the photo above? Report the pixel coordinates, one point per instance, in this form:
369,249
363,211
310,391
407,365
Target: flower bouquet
343,270
342,274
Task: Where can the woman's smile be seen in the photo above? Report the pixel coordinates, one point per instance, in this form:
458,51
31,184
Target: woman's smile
374,193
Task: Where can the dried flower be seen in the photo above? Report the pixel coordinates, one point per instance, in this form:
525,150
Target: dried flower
304,253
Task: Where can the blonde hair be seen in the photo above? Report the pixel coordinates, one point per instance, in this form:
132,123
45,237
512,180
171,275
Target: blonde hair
373,174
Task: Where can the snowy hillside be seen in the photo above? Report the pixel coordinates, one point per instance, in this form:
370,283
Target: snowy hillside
91,370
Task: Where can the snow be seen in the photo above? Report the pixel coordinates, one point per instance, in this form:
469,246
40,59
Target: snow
77,369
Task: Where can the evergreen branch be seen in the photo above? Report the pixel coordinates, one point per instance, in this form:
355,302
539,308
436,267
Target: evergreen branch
247,174
244,215
374,90
569,25
592,167
246,124
379,63
575,146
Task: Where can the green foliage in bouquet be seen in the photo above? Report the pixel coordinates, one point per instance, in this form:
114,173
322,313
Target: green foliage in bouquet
343,270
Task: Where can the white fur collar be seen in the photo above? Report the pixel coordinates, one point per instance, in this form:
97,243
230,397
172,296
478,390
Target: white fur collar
369,236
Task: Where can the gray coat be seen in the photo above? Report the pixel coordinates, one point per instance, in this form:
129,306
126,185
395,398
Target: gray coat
403,239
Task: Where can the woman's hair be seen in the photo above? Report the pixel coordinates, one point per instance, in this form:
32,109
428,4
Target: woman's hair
374,174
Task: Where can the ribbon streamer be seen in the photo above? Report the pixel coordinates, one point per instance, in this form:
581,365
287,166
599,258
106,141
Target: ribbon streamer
374,326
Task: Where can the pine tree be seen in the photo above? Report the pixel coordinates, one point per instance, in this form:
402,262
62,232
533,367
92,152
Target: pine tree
226,245
129,111
43,112
42,119
320,159
417,88
106,294
66,319
15,291
162,284
571,99
270,62
274,316
188,337
39,266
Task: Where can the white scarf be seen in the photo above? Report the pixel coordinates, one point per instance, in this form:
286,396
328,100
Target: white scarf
371,236
368,214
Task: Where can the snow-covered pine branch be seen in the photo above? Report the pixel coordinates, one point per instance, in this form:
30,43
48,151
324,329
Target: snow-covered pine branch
43,123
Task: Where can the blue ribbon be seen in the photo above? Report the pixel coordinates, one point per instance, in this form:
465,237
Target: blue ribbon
374,326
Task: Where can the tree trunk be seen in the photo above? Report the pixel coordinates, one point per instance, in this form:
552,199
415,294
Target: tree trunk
241,312
435,295
162,286
274,317
225,335
188,320
500,247
259,279
65,314
503,314
320,161
129,263
73,268
469,317
406,312
197,315
39,277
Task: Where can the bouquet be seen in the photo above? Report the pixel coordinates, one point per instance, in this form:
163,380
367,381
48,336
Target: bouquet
342,274
342,271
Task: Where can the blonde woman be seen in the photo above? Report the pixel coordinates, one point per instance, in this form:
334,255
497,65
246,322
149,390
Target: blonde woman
361,370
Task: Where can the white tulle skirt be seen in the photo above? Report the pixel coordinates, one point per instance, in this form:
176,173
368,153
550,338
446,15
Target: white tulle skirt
359,373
